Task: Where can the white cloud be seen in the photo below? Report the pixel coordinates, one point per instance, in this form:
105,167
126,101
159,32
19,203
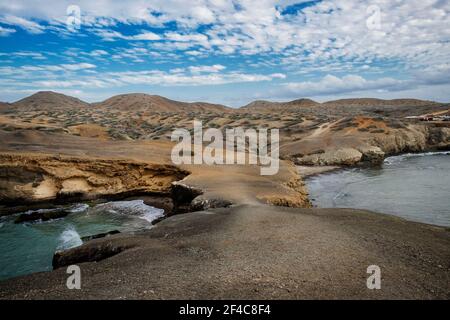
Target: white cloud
150,36
25,54
202,14
77,66
6,31
32,71
98,53
212,69
31,77
278,75
330,37
331,84
110,35
30,26
193,39
414,30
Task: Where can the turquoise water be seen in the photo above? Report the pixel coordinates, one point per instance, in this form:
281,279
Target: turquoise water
413,186
29,247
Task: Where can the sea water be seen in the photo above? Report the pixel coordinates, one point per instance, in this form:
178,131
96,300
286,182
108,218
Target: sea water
412,186
29,247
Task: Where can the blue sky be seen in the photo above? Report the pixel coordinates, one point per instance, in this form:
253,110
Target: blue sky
229,52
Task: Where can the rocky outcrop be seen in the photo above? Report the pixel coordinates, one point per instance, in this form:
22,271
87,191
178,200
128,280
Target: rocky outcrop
344,156
415,138
365,148
88,252
201,203
297,198
182,196
33,178
372,155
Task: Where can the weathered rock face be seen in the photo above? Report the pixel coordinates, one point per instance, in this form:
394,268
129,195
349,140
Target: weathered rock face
372,155
31,178
415,138
298,197
344,156
372,149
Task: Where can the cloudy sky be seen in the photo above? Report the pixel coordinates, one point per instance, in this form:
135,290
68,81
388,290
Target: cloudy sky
227,52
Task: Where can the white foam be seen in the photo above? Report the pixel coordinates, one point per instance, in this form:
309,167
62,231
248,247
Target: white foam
79,207
155,214
133,207
69,238
396,159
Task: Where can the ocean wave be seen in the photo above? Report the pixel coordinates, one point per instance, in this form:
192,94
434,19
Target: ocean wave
1,224
79,207
399,158
134,207
69,238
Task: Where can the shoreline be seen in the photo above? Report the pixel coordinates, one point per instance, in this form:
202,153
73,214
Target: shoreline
249,216
425,202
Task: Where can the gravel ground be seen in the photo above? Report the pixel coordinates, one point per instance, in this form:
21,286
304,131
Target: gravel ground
260,252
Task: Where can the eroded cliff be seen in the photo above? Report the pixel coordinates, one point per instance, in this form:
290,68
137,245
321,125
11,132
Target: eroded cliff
32,178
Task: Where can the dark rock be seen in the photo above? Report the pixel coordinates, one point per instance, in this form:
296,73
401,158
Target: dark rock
88,252
99,235
199,204
182,196
165,203
157,220
372,155
42,215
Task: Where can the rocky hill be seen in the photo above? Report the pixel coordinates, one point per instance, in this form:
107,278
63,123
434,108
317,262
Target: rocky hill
372,102
155,103
269,106
49,100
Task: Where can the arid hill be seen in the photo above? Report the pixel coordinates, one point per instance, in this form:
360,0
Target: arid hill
269,106
53,101
347,107
342,132
154,103
48,100
365,102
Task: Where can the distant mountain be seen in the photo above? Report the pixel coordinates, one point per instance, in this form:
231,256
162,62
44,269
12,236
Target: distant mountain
380,106
141,101
49,100
372,102
269,106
